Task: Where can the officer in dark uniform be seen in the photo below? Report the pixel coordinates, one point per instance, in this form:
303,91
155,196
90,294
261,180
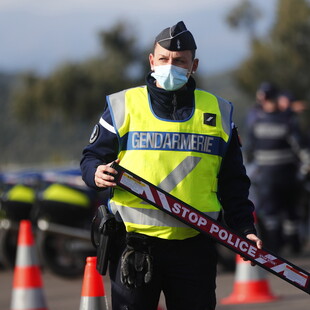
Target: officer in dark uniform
275,146
162,254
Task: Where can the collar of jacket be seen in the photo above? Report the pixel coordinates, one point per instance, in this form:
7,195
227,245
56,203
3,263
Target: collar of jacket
171,104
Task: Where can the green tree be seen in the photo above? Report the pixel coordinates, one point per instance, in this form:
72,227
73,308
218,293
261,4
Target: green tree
283,56
76,91
244,16
29,100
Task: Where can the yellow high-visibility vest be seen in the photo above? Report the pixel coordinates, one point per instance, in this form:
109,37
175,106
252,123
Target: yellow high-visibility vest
181,157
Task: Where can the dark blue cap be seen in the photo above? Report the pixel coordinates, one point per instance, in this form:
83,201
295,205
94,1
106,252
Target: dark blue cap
269,89
176,38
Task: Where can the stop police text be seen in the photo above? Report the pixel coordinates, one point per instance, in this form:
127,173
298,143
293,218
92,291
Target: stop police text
215,230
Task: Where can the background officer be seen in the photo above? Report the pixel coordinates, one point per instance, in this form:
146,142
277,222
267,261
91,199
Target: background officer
275,147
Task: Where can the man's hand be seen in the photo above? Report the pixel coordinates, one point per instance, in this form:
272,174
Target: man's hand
103,177
259,244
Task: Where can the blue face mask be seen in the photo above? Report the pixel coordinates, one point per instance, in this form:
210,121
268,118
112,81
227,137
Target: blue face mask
170,77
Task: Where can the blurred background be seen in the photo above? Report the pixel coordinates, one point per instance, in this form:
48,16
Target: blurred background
59,59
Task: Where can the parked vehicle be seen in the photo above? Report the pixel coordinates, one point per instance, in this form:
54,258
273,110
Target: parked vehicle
17,197
63,213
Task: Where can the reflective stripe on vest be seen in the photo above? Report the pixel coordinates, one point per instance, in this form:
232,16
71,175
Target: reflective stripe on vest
181,157
274,157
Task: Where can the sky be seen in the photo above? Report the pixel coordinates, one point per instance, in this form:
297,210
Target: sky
42,35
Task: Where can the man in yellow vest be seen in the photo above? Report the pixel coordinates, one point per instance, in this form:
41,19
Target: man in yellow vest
183,140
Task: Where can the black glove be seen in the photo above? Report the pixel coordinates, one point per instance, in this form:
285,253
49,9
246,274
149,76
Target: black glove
136,261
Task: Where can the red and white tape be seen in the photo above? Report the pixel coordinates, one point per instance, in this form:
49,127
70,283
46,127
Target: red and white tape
208,226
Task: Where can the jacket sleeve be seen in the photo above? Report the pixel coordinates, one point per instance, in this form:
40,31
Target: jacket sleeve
102,149
233,189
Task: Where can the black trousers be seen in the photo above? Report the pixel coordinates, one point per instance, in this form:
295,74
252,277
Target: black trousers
277,189
184,270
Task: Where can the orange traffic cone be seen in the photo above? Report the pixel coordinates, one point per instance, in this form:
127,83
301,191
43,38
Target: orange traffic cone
250,285
93,295
27,291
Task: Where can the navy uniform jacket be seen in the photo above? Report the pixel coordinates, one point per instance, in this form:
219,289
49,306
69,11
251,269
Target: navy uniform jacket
274,139
233,187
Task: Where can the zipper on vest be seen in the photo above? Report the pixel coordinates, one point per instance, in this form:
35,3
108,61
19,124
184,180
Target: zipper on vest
174,104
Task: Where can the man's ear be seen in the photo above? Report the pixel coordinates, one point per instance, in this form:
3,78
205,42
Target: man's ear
195,65
151,60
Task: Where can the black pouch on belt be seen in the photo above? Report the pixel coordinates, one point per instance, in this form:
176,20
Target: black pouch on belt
103,230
